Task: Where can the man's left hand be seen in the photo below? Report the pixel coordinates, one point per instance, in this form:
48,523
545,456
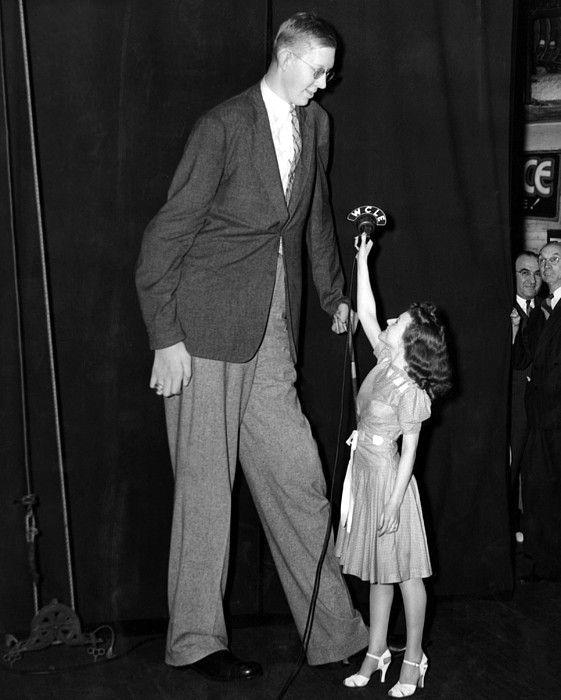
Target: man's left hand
340,318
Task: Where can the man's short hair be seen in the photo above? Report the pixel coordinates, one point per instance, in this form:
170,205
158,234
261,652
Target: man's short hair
304,28
554,242
527,253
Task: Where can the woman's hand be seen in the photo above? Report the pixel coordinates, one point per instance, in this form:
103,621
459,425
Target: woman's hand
389,519
364,248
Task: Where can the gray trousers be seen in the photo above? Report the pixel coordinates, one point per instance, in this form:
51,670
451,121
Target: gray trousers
250,409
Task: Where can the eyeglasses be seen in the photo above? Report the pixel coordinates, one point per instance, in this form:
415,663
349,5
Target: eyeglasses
317,72
525,273
553,260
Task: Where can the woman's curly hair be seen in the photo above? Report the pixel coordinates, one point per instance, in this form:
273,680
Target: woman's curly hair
426,353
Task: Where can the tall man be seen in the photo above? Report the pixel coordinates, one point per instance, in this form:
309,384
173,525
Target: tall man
219,281
539,344
528,282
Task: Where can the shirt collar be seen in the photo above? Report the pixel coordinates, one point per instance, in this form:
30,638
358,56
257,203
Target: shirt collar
522,302
276,106
555,297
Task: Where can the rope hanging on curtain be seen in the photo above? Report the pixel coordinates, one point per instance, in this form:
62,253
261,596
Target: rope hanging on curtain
29,499
55,623
46,299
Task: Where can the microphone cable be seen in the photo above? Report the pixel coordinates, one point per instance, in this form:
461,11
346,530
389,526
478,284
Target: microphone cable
315,591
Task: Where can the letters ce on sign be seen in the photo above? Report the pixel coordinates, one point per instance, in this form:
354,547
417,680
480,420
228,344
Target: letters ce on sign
541,185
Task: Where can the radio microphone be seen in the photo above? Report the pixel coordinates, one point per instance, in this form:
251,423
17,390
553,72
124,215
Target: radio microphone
366,218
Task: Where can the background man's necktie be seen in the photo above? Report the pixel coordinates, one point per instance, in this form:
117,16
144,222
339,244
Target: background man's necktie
528,306
546,306
297,141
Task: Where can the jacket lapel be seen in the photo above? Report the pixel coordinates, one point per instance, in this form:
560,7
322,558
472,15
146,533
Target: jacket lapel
522,313
265,158
303,167
551,327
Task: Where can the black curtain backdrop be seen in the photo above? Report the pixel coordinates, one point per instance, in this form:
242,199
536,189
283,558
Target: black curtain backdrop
421,129
421,125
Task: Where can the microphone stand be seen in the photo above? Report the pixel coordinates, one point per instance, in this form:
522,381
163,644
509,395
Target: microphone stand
352,361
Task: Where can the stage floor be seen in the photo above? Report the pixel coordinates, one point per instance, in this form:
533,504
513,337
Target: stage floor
476,648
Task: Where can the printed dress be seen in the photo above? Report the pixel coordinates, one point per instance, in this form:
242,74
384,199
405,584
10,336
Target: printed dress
390,404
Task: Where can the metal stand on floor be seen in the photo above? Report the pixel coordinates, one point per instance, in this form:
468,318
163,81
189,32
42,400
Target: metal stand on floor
56,623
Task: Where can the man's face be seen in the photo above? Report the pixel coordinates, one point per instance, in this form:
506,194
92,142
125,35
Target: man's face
550,265
298,69
528,276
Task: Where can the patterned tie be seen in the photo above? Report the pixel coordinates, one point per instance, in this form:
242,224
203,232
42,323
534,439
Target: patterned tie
297,142
528,306
546,306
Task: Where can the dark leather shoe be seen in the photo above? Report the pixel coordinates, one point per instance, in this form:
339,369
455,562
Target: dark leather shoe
224,666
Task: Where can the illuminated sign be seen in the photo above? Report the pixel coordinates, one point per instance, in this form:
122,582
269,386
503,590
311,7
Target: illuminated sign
541,185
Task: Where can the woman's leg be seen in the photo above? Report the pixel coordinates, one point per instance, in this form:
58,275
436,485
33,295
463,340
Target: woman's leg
381,597
415,604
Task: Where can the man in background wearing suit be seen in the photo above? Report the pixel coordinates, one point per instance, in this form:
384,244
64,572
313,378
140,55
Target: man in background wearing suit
219,281
539,345
528,282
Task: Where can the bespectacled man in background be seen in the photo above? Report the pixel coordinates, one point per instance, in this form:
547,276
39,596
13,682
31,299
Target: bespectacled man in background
537,350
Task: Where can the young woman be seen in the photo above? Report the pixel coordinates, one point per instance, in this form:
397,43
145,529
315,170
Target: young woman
382,536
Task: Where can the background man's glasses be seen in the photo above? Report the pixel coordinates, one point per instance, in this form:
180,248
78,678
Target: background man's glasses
553,260
317,72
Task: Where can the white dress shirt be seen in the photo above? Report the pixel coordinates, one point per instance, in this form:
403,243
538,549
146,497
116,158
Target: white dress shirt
556,297
278,111
522,303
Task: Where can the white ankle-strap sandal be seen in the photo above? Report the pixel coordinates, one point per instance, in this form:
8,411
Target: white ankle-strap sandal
404,690
359,681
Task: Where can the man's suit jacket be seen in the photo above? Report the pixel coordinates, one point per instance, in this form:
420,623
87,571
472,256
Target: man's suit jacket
207,265
519,378
540,345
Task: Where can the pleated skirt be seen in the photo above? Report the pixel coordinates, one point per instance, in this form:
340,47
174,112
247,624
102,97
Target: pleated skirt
393,557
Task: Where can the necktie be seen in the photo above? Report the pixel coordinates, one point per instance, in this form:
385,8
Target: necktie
297,143
528,306
546,306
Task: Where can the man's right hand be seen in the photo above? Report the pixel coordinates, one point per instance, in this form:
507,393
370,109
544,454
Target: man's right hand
515,321
171,371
